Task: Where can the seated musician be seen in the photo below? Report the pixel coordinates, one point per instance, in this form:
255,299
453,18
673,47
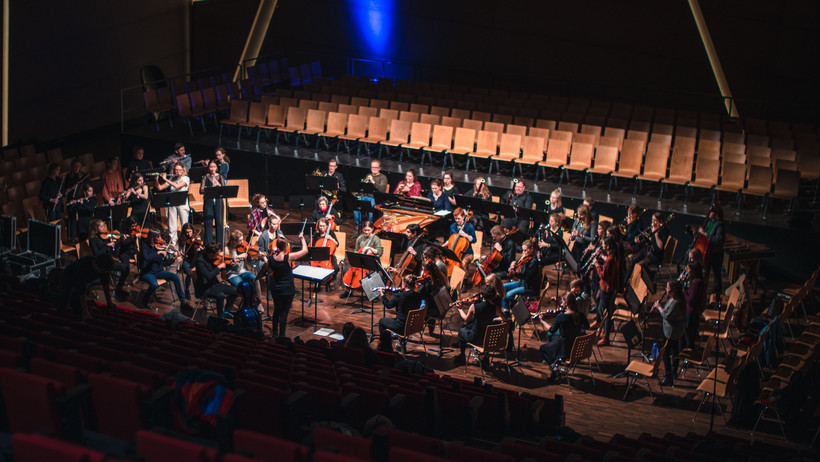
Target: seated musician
207,285
448,186
137,196
333,170
177,157
477,317
519,198
595,247
190,246
548,245
652,243
561,334
258,218
325,210
584,232
237,249
527,271
505,246
480,191
156,255
102,244
112,181
408,298
439,198
430,283
433,254
409,186
128,244
555,204
633,229
321,239
461,227
379,182
593,211
82,209
367,243
414,245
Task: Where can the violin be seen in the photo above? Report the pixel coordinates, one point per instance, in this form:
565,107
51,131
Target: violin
194,243
141,232
111,235
518,265
467,300
225,258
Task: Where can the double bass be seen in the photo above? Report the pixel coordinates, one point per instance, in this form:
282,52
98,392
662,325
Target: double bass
492,260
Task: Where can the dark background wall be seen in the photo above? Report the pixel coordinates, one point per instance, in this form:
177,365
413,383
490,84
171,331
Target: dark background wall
70,59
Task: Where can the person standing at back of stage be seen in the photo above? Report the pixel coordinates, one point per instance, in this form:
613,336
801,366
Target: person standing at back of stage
82,210
282,284
138,162
379,182
213,210
223,163
51,193
178,157
584,231
715,230
177,215
673,314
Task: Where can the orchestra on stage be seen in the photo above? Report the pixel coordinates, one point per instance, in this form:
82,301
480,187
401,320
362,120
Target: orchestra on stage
483,256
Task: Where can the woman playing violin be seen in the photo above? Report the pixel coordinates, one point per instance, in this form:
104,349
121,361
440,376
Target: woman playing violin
190,248
477,317
237,250
562,332
404,301
527,271
282,285
102,242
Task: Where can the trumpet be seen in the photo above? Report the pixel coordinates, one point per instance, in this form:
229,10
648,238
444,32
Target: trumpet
368,178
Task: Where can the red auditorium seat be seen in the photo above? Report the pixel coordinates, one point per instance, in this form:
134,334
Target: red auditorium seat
268,448
413,441
333,441
118,405
70,376
153,447
9,359
144,376
323,456
522,452
38,448
261,407
461,453
37,404
406,455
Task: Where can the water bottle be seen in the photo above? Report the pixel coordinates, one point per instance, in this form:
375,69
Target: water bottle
654,353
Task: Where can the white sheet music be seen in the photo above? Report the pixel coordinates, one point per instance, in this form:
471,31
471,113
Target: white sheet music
312,273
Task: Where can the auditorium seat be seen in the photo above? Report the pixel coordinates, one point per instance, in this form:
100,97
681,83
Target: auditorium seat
419,138
40,448
486,147
441,142
266,448
120,406
509,150
37,404
532,152
328,440
153,447
580,159
294,123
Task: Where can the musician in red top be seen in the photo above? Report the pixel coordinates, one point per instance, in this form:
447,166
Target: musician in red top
608,285
409,186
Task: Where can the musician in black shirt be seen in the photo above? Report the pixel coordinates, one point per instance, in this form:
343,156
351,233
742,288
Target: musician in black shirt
207,285
138,162
101,243
548,246
506,247
519,197
51,193
81,211
404,301
477,318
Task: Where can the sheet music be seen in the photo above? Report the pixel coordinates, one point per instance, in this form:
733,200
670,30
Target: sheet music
312,273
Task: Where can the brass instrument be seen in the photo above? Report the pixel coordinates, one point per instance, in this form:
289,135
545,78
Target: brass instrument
622,226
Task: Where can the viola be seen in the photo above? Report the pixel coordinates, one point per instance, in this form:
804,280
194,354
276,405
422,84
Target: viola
492,260
518,265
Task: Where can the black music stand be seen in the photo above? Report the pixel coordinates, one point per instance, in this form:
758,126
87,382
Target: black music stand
195,174
112,213
312,297
221,194
473,204
365,208
537,217
505,210
521,314
294,228
443,301
567,256
300,201
369,283
371,264
321,183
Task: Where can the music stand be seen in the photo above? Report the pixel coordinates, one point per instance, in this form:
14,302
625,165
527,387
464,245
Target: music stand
299,201
537,217
369,263
222,194
503,210
374,280
195,174
566,255
314,275
363,207
521,314
472,204
321,183
294,228
315,254
112,213
442,300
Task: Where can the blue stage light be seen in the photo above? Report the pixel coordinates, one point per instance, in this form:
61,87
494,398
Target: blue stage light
373,20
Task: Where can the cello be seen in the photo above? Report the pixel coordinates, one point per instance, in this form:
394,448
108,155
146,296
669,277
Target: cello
328,242
407,263
353,277
492,260
458,244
